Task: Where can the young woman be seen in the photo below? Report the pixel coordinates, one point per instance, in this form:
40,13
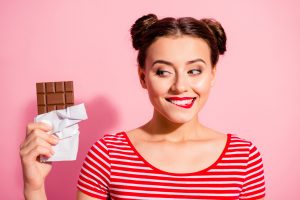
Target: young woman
173,156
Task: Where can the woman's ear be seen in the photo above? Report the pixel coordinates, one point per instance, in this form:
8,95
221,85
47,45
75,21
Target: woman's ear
142,76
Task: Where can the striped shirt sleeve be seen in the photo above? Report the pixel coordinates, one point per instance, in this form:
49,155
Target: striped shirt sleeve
94,177
254,183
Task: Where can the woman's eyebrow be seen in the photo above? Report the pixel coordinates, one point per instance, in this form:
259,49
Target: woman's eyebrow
171,64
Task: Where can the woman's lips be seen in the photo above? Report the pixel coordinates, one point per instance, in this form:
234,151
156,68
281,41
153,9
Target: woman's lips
184,102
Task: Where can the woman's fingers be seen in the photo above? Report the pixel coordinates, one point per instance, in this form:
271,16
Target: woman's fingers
37,141
37,125
32,154
37,134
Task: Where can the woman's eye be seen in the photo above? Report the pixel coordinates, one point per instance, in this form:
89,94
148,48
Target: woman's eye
162,73
195,71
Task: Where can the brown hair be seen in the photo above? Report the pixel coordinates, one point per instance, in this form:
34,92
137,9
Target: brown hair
148,28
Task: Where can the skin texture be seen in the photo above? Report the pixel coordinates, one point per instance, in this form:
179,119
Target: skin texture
171,128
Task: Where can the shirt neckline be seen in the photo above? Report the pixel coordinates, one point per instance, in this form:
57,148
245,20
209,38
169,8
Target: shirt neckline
179,174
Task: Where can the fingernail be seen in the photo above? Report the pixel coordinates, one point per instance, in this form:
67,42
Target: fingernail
56,139
52,151
47,123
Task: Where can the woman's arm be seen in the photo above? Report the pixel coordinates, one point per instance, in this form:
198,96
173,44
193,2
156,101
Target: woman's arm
35,194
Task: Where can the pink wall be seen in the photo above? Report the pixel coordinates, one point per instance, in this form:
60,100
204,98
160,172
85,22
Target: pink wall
256,95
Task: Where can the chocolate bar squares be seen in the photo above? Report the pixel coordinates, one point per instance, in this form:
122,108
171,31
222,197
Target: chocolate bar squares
54,96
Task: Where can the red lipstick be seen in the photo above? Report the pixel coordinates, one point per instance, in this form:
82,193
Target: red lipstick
170,99
181,98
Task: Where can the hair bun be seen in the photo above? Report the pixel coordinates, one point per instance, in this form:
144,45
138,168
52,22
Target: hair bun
218,33
139,28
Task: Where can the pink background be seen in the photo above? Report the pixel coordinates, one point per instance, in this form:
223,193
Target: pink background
256,96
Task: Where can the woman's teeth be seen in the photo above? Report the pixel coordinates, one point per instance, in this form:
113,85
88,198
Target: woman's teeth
181,102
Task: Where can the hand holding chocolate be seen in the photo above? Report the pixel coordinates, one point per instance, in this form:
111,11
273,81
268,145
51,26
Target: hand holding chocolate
55,102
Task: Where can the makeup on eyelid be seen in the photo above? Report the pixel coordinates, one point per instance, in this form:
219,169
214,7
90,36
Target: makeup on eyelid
159,71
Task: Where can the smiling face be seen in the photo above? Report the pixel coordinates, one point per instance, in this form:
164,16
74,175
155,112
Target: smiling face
178,75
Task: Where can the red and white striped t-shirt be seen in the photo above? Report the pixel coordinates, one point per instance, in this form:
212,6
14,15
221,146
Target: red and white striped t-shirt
114,168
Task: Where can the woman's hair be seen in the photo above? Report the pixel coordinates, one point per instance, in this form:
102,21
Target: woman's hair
149,28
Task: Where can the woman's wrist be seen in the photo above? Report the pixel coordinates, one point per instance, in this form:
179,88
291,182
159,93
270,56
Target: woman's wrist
37,194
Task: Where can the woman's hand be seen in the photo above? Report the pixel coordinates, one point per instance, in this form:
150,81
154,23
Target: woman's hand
37,142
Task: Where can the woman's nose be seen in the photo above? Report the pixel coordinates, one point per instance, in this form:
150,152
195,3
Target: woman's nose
180,84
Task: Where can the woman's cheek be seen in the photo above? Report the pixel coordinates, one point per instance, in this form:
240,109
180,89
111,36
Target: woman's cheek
200,85
158,87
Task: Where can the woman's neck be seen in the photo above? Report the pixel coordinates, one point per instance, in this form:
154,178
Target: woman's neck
160,128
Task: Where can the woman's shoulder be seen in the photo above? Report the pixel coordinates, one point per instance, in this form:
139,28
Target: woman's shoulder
117,136
239,139
109,140
231,138
239,142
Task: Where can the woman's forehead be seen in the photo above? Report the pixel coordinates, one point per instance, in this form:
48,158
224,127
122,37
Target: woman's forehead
178,50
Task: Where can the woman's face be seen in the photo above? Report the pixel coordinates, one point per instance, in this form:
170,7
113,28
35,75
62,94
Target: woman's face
178,75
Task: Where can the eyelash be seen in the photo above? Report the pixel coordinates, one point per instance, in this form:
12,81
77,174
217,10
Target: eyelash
159,72
198,70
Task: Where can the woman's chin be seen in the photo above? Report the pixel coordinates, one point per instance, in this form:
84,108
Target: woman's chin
180,119
177,117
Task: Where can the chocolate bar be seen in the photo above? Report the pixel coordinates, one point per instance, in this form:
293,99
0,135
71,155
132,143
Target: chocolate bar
54,96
